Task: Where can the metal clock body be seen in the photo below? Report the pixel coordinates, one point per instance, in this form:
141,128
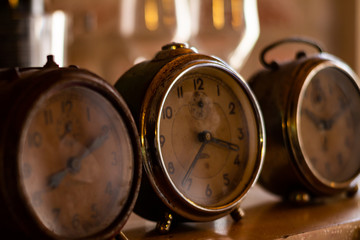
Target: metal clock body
70,155
201,133
311,112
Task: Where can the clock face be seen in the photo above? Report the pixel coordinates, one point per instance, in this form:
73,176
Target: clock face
208,137
76,162
328,125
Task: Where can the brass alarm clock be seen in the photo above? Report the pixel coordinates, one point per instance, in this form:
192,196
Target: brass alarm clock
69,153
311,109
201,134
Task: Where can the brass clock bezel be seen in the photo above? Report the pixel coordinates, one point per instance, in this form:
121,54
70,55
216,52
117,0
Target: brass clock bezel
280,92
306,72
32,87
153,163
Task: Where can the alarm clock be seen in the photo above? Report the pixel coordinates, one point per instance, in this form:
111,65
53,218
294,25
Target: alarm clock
201,135
311,109
70,158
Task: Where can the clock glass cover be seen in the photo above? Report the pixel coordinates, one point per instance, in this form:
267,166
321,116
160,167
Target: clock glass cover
328,129
208,137
76,162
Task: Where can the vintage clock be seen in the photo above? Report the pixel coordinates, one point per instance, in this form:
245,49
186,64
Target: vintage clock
311,109
201,134
70,155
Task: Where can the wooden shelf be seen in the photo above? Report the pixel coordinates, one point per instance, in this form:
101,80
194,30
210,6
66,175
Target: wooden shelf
266,218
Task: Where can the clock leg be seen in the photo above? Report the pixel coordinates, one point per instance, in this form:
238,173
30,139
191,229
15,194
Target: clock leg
237,214
351,192
163,226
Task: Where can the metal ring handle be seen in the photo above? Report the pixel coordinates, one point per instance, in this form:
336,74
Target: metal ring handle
274,65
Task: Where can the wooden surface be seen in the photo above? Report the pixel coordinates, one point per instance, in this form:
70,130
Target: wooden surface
266,218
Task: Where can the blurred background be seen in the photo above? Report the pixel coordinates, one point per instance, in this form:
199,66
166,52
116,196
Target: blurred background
109,36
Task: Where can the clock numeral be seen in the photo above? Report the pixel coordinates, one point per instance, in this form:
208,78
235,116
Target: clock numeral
114,161
56,213
347,142
208,191
237,160
94,211
188,182
198,84
167,113
328,167
66,106
171,167
231,108
36,199
218,90
241,134
35,139
180,92
75,222
88,116
226,179
340,159
26,170
109,189
162,140
48,118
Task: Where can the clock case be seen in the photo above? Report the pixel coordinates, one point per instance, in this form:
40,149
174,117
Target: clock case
277,88
142,86
20,90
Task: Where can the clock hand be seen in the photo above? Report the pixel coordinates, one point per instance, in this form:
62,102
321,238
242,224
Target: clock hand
204,137
73,164
189,171
207,136
335,117
319,123
67,129
225,144
56,178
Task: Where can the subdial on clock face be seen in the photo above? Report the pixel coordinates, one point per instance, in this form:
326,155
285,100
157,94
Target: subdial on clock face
328,128
205,137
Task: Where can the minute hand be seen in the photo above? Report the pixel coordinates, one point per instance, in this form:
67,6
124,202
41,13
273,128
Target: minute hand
191,168
73,164
330,122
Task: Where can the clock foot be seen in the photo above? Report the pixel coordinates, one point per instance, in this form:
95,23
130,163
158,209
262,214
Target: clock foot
300,197
120,236
237,214
163,226
351,192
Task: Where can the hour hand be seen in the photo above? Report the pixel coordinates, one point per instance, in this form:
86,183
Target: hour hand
73,164
225,144
207,136
335,117
316,120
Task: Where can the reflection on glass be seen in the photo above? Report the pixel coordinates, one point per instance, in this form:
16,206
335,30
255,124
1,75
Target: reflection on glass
149,24
225,28
250,35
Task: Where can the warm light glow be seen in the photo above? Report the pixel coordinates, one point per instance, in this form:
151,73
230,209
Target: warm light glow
14,3
251,34
183,30
151,15
127,17
169,12
58,36
236,12
218,14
